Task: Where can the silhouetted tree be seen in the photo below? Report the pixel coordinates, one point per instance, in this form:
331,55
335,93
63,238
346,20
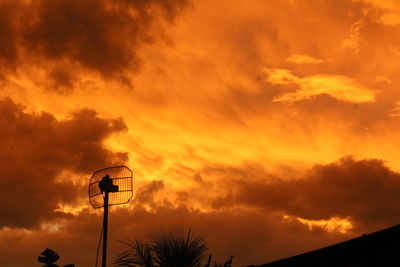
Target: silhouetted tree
174,248
49,257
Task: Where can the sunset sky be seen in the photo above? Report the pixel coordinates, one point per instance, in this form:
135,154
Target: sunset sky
271,127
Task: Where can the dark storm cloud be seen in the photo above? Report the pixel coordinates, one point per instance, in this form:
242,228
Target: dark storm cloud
100,35
36,148
8,34
95,35
88,32
62,81
366,191
147,192
248,222
251,236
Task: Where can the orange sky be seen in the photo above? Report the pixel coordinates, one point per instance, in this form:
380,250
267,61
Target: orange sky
271,127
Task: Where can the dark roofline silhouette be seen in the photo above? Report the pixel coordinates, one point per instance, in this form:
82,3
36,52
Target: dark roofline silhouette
380,248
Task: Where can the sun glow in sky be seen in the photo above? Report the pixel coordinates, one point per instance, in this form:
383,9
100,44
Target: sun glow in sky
273,124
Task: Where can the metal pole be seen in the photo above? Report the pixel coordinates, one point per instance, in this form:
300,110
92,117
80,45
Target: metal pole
105,226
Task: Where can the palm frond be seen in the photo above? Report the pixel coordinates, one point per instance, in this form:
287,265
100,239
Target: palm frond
137,254
176,248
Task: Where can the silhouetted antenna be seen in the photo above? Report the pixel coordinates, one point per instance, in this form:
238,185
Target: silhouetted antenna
108,187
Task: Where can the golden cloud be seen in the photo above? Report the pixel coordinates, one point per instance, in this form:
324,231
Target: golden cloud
339,87
304,59
208,146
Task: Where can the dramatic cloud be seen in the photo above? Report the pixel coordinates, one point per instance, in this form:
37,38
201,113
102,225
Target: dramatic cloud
390,14
89,35
8,45
252,237
237,119
304,59
363,191
36,148
339,87
249,206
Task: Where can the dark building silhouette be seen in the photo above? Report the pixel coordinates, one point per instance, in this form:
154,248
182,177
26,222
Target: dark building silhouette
378,249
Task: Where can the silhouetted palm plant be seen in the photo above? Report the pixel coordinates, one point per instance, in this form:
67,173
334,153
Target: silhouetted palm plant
174,248
137,254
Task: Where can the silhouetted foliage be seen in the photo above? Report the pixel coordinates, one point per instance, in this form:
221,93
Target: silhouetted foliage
48,257
174,248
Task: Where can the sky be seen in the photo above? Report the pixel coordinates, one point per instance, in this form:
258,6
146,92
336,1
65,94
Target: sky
268,126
